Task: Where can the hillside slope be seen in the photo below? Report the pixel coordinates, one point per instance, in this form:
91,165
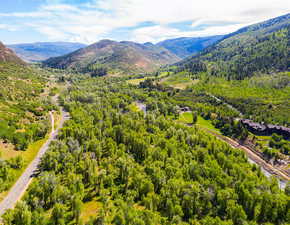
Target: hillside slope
7,55
24,121
262,47
186,46
35,52
117,56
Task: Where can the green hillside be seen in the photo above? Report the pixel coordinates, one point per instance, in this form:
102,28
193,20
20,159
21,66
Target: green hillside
262,47
22,109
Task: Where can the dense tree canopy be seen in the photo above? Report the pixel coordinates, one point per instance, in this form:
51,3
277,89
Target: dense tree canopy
143,169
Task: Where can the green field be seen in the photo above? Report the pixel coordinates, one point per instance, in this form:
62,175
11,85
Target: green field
179,81
201,122
27,156
206,124
185,117
136,81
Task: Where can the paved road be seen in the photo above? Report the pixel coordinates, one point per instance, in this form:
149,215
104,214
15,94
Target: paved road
23,182
254,157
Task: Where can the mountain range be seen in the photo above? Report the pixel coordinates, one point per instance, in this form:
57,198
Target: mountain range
117,56
262,47
186,46
39,51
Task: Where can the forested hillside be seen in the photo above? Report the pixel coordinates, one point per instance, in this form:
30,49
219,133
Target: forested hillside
24,121
22,110
187,46
263,98
115,165
248,69
262,47
109,56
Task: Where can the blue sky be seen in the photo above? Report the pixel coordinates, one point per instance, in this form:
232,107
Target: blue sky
89,21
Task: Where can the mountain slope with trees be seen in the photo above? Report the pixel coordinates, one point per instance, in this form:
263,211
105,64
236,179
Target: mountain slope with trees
186,46
262,47
114,56
35,52
24,119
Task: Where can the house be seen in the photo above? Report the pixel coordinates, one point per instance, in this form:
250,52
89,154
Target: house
266,129
185,109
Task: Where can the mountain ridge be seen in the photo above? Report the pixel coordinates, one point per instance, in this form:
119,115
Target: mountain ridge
118,56
187,46
40,51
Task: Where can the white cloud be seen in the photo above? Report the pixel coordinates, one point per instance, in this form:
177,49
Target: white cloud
159,33
3,26
90,22
54,34
165,11
7,27
155,33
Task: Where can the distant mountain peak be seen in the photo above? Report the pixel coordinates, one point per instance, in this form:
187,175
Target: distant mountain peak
39,51
105,42
125,56
186,46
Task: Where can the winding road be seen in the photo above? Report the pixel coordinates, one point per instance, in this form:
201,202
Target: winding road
19,188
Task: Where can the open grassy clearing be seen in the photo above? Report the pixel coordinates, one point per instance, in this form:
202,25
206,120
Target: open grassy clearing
164,74
27,156
8,151
90,209
185,117
206,124
137,81
201,122
179,81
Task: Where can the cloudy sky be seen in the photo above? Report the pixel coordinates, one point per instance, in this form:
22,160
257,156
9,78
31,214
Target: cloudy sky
88,21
